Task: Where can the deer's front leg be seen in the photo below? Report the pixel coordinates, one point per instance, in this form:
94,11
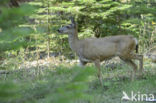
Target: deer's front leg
97,64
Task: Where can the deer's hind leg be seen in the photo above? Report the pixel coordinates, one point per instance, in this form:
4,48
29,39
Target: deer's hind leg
133,65
140,58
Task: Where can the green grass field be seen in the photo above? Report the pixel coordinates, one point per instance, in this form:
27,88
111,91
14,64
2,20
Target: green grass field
72,84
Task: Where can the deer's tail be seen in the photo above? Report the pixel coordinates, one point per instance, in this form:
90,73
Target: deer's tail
137,46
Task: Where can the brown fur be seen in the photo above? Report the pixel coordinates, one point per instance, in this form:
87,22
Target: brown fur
99,49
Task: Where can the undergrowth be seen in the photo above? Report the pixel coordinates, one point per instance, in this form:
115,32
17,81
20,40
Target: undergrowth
73,85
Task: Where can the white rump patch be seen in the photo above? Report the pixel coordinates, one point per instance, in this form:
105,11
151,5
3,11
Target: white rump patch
136,41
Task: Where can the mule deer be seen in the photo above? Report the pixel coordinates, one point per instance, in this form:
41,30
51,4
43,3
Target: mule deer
99,49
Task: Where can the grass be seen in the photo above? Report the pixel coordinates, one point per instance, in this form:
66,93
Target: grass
63,84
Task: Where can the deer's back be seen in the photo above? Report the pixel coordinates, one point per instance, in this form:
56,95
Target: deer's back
105,48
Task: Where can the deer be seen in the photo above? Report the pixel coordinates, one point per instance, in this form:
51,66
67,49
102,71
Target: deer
96,50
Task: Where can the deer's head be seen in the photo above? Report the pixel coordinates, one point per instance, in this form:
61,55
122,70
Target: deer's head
68,29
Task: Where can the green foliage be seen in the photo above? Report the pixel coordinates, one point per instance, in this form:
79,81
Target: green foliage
62,86
29,30
140,21
94,17
8,91
72,85
12,34
14,16
98,18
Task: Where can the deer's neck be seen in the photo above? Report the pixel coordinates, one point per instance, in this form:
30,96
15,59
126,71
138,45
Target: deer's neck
73,38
